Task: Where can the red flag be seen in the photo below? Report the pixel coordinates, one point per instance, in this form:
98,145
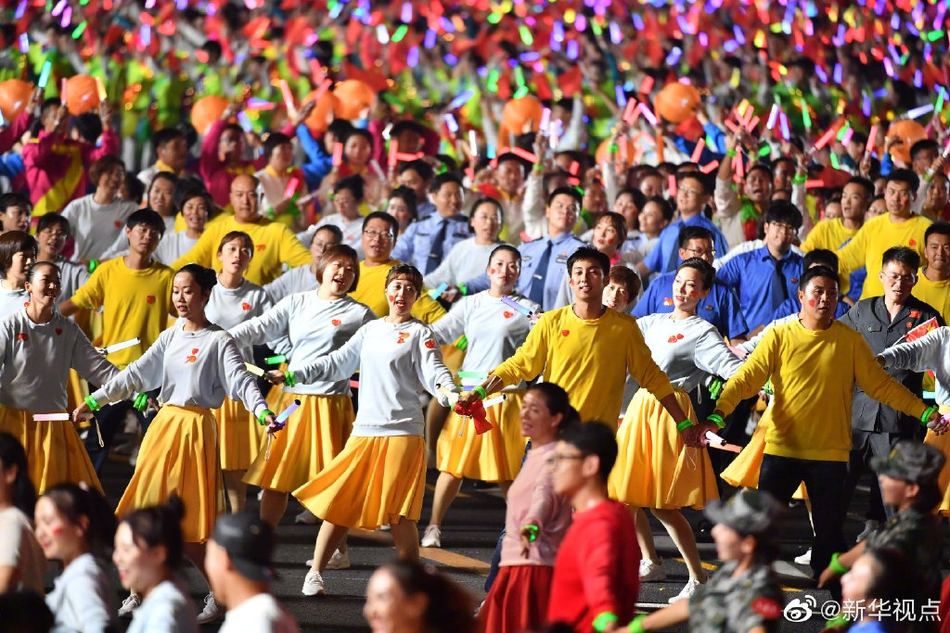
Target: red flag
921,330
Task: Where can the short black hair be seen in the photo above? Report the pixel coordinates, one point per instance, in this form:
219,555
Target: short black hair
52,219
204,277
820,256
688,233
12,199
407,125
862,182
762,167
586,253
354,184
149,218
419,166
638,198
816,271
698,176
594,438
274,140
166,135
707,271
784,212
340,128
360,132
382,215
937,228
922,146
665,207
442,179
901,255
89,126
905,176
566,191
333,229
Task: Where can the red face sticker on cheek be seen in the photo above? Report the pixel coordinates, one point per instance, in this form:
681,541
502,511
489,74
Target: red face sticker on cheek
391,298
693,293
491,271
811,302
56,531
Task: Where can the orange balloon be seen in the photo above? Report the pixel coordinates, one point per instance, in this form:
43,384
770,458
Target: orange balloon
323,113
354,96
909,132
676,102
518,113
82,94
15,94
602,152
206,111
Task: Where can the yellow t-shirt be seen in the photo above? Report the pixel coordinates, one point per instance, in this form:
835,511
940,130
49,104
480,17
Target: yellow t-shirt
589,358
876,236
135,303
830,235
934,293
274,246
813,375
371,292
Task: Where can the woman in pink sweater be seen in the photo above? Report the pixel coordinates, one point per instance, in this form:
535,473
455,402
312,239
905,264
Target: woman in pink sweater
535,522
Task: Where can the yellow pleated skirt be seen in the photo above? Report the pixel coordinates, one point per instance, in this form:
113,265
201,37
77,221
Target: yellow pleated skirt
54,452
375,481
654,468
76,390
743,472
239,435
315,433
179,455
493,456
942,443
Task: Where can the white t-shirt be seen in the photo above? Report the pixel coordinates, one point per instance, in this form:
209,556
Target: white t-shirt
96,226
262,614
20,550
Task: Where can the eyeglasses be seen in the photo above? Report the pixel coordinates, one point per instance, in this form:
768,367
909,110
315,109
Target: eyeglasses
559,457
903,279
373,234
787,228
690,192
701,253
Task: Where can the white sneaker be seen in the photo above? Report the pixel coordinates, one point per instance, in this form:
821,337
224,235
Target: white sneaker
804,559
432,537
313,585
306,517
339,560
211,612
651,572
130,604
687,592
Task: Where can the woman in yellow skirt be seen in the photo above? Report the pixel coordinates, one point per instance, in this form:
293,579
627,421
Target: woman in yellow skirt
494,330
655,469
314,323
195,363
379,477
235,300
39,346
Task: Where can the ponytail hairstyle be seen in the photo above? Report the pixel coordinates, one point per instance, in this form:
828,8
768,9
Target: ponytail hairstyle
204,277
160,526
75,502
557,402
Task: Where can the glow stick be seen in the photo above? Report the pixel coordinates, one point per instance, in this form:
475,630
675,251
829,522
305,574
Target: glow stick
437,292
528,156
872,134
316,72
254,369
708,167
919,112
514,305
461,100
814,184
493,401
698,151
473,143
337,154
322,89
281,420
452,397
716,441
288,95
628,112
846,138
101,88
115,347
479,376
647,85
451,123
245,121
52,417
276,360
24,43
62,90
291,187
647,113
783,120
773,116
393,152
754,121
825,138
671,185
545,119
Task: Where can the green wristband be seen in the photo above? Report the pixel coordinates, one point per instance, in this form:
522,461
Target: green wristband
636,625
601,621
799,180
926,414
92,403
715,417
463,289
141,401
289,379
532,531
836,566
93,264
682,426
613,148
731,153
482,394
262,418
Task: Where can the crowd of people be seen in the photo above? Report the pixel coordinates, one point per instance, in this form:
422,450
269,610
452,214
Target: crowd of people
572,249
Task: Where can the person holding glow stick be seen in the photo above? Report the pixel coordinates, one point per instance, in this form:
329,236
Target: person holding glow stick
494,331
38,346
687,348
379,477
195,364
315,323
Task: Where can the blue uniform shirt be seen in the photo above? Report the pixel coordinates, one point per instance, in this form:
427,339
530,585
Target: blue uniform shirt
720,307
658,260
415,245
750,275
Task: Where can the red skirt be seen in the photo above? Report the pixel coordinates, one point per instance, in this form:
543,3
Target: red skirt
518,600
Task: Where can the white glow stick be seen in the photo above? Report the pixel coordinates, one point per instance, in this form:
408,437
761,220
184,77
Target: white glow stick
715,439
451,395
52,417
123,345
493,401
254,369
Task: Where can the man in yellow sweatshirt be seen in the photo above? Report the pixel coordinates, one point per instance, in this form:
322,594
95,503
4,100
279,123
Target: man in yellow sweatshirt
814,364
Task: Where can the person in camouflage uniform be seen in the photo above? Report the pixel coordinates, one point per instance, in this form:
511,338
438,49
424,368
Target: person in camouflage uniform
908,478
744,595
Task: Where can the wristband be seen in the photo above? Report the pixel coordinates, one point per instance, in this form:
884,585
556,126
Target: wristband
482,394
601,621
799,180
92,403
636,625
289,379
262,418
685,424
613,148
926,414
731,153
927,176
715,389
538,167
463,289
836,566
532,531
93,264
715,417
141,401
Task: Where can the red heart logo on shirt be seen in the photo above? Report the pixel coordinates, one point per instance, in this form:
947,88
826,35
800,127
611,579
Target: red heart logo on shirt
508,315
565,332
260,247
667,302
430,344
26,304
246,306
118,224
915,314
150,299
679,336
193,357
912,243
59,331
336,322
21,337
